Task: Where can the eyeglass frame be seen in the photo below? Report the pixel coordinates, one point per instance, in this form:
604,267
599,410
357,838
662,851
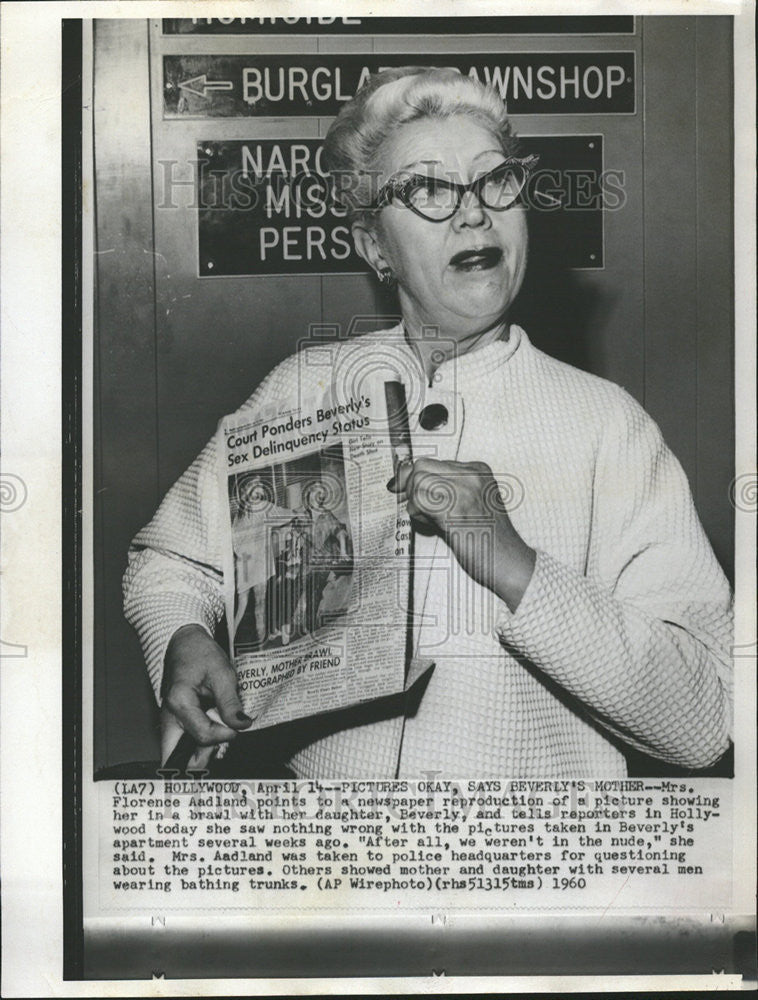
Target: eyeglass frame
396,188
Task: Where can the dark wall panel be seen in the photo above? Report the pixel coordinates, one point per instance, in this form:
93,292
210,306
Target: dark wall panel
715,285
126,416
670,221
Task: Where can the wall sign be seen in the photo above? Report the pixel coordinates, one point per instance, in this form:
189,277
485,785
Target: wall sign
397,25
265,206
536,83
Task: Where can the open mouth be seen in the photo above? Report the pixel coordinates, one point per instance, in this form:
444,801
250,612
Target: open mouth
477,259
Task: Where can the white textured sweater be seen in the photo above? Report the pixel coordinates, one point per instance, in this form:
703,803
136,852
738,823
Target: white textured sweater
621,637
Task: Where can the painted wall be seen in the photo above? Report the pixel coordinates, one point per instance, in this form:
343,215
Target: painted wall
174,351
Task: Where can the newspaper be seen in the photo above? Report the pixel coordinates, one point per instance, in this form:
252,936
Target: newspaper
317,565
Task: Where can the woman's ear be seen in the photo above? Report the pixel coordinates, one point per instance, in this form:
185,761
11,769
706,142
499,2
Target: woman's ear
367,246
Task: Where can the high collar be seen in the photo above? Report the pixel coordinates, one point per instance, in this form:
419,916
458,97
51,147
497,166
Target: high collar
460,371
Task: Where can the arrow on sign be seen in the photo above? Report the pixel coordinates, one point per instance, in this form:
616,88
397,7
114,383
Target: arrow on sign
200,84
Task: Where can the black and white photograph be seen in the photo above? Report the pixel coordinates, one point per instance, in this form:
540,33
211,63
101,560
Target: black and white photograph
403,372
295,514
561,294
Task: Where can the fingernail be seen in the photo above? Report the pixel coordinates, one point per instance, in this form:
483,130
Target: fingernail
243,718
392,483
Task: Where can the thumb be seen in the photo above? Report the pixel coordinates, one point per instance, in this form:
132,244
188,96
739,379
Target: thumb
399,481
224,688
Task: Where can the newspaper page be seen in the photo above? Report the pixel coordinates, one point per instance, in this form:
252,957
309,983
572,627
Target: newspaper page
318,564
636,874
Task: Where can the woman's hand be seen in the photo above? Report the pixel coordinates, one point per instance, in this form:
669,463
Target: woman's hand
198,675
461,501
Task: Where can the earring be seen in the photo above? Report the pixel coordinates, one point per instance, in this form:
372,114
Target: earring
386,277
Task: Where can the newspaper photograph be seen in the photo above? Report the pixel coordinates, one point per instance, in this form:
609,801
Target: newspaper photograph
378,498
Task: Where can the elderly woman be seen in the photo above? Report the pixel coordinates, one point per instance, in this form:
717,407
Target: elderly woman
596,616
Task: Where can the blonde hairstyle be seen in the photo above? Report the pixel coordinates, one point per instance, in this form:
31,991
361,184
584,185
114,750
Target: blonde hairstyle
392,98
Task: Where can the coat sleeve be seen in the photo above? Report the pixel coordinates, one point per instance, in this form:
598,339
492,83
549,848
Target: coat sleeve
174,575
642,639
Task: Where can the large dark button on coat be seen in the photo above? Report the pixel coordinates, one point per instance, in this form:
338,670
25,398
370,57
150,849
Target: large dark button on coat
433,416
